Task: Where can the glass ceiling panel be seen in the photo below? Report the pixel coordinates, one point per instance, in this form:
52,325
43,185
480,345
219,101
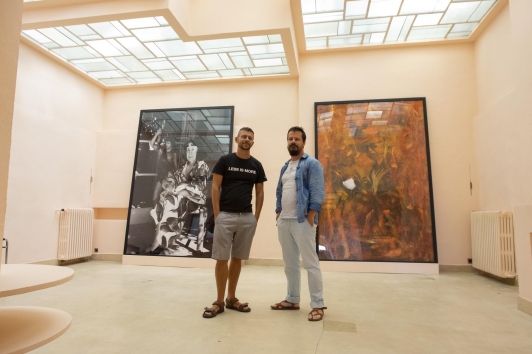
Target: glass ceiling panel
105,48
73,53
142,75
70,35
256,40
140,22
148,80
377,37
429,32
131,63
270,70
203,75
115,81
462,29
58,37
227,62
155,34
220,43
329,5
267,56
308,6
345,41
331,23
317,43
268,62
155,50
275,38
146,50
158,64
135,47
36,35
325,17
481,10
356,9
367,26
321,29
241,61
460,12
213,61
177,48
80,30
231,73
106,74
395,28
267,48
94,65
418,6
384,8
428,19
106,30
189,65
162,21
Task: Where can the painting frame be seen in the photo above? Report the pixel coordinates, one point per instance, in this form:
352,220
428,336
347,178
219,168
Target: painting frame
195,180
326,254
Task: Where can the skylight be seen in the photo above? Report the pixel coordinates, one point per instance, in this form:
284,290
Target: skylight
345,23
148,50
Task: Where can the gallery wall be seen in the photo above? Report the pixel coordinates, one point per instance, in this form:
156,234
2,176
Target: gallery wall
503,126
269,107
10,28
444,74
64,126
56,116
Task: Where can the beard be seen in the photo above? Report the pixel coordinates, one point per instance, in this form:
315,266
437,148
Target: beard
244,146
293,150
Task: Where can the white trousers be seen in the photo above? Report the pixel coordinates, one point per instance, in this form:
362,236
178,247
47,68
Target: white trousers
300,239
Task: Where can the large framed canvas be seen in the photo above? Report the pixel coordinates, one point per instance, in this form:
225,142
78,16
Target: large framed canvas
378,205
170,208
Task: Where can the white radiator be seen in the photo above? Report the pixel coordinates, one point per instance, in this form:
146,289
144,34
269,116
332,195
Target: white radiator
75,233
492,238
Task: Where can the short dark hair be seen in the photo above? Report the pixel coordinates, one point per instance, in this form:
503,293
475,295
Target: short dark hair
248,129
297,129
190,143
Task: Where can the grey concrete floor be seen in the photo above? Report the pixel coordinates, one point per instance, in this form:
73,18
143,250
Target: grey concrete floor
134,309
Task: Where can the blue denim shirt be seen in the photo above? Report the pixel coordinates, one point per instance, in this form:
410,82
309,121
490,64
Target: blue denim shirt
310,187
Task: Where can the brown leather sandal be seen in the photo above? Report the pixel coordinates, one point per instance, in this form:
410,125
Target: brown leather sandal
315,312
211,312
279,306
230,304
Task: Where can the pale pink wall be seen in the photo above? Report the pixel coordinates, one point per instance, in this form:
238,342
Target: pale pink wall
268,106
495,75
444,74
503,126
10,17
57,114
109,236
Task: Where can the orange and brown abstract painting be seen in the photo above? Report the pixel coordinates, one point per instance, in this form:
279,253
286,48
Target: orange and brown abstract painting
378,204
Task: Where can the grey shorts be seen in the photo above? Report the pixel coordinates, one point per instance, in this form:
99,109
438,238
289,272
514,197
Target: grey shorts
233,233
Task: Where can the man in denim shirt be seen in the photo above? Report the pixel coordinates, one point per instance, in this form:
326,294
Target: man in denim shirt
300,193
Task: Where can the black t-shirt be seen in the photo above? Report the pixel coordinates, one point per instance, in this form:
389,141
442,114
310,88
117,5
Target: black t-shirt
239,177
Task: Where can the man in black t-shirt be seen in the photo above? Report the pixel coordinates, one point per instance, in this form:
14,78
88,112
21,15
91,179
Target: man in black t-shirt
234,175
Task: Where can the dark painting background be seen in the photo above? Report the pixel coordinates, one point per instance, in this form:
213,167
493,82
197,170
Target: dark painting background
210,128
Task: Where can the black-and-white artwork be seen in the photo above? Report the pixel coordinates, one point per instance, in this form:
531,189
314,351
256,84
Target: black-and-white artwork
170,207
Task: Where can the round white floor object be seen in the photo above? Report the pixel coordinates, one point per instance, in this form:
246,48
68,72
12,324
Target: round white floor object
24,328
22,278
